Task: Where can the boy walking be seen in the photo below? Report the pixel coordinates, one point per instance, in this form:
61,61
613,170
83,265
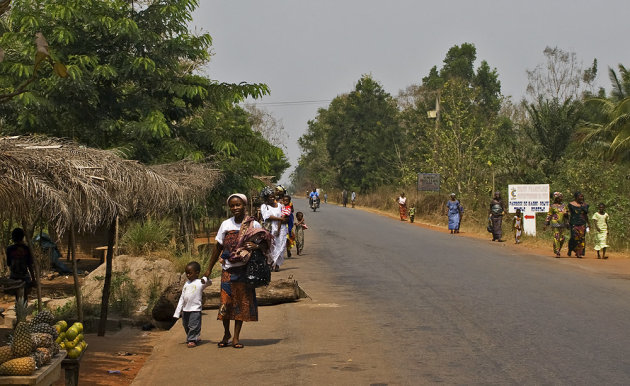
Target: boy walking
189,306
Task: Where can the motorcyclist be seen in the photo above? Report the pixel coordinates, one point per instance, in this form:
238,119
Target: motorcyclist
313,198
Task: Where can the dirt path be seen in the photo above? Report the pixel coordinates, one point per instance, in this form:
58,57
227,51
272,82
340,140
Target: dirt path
321,340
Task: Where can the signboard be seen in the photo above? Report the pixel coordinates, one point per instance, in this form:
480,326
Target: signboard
429,182
530,199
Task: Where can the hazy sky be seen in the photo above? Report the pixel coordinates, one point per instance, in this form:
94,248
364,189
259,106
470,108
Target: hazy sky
315,50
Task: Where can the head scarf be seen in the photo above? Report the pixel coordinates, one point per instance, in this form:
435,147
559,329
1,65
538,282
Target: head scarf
266,192
452,194
239,195
557,194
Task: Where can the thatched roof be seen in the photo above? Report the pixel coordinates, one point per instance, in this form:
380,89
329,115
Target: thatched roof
196,178
62,183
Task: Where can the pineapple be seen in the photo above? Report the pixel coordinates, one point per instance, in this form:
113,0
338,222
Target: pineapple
5,354
41,339
18,366
44,328
42,356
22,344
44,316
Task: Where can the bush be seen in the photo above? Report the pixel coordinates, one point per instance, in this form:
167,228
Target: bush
148,236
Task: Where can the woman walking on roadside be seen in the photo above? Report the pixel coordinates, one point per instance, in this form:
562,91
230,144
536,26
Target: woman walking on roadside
454,212
496,216
557,218
271,212
578,224
238,300
402,206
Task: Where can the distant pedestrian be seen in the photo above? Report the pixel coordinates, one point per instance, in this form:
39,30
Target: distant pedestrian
344,198
190,302
600,218
402,206
454,213
517,226
412,212
496,217
300,227
578,224
353,197
287,211
325,198
20,262
557,218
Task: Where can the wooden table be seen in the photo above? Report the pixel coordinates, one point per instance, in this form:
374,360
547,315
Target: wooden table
71,369
44,376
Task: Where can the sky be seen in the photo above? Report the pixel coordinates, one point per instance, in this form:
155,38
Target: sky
309,52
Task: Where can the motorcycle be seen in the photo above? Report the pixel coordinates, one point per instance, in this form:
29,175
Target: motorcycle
314,203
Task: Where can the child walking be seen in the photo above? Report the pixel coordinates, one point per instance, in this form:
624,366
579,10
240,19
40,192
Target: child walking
601,231
190,301
287,211
517,226
300,226
412,212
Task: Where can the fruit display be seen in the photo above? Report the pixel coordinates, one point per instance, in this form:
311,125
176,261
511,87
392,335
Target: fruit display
71,338
31,345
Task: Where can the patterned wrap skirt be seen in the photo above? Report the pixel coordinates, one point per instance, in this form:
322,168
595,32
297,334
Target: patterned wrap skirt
238,300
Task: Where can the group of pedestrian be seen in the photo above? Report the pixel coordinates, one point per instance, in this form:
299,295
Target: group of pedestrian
240,235
344,198
574,216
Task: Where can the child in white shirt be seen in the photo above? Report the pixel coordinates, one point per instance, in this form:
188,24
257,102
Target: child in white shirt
190,301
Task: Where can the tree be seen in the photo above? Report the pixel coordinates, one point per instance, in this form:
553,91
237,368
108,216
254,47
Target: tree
561,77
620,82
132,82
266,124
612,132
362,125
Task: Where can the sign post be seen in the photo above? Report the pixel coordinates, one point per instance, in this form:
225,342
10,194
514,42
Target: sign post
429,182
530,199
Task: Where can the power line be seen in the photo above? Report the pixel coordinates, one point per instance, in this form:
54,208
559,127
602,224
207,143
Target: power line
292,103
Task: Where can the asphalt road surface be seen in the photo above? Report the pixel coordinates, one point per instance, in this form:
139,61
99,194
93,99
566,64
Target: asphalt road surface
459,310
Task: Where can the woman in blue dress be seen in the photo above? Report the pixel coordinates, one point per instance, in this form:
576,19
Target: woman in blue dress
454,213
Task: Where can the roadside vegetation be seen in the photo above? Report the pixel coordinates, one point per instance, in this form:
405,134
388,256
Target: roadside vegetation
456,122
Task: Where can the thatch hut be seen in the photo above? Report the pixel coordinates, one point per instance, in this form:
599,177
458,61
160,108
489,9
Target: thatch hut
75,188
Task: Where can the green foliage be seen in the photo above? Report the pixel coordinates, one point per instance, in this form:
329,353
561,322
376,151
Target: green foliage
147,236
133,75
123,294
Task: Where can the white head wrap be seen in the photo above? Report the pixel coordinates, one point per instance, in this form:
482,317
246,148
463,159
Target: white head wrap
239,195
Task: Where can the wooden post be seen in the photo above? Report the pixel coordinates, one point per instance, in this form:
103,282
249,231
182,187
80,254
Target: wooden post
75,274
111,235
29,236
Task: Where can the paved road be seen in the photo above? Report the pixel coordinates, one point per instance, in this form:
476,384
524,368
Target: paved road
459,310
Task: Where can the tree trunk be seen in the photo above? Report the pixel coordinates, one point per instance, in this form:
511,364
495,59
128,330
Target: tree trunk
111,236
29,236
77,286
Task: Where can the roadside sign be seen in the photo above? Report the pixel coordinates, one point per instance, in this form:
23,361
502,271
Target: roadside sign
530,199
429,182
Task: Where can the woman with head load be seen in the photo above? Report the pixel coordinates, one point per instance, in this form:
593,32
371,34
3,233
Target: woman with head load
402,206
496,216
238,300
557,218
271,211
578,223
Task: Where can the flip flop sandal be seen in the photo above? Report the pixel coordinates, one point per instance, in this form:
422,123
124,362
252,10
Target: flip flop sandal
238,345
223,344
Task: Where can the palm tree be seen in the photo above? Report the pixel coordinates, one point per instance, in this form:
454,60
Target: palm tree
620,83
613,132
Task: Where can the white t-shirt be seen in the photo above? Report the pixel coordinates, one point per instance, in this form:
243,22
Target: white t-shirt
231,225
191,297
402,200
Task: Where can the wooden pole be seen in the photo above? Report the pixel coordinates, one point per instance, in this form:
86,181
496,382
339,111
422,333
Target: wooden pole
75,273
29,236
111,235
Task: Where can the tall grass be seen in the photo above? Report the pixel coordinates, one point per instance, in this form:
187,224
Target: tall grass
148,236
